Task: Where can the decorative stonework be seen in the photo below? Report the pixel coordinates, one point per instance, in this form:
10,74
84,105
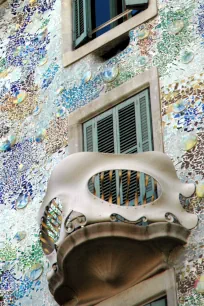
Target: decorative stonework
30,33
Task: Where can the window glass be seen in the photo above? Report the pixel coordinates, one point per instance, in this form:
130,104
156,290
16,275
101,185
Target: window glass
103,11
102,14
160,302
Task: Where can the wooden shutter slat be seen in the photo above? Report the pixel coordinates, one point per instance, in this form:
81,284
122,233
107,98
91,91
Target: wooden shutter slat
88,130
81,21
145,141
105,133
146,135
127,143
106,143
145,121
126,126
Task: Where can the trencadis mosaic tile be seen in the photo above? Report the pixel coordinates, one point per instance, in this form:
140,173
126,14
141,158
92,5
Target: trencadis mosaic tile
36,96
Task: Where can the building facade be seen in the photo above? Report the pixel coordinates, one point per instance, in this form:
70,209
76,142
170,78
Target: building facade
48,88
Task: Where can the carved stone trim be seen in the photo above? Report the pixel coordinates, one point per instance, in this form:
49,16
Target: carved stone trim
101,260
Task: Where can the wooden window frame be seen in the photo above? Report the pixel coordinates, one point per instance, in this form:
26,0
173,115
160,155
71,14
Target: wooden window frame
148,79
163,284
109,38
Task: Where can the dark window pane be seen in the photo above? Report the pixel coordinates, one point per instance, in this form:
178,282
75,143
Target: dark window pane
160,302
100,14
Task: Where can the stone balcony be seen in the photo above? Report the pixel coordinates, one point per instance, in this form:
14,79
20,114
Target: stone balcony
109,222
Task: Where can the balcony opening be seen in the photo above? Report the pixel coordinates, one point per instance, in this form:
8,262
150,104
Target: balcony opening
50,226
124,187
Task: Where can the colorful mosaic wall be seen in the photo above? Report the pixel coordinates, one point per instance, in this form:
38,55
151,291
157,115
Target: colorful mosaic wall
36,96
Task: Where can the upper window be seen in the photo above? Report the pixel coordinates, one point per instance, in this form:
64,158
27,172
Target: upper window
101,26
92,18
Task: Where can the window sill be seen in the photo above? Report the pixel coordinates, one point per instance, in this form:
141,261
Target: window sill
70,56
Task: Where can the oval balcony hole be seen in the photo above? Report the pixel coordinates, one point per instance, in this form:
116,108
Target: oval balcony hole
124,187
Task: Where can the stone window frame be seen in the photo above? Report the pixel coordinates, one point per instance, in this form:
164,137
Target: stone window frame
147,79
163,284
114,35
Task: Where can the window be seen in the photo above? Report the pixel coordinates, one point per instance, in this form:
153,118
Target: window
92,18
159,290
79,25
147,79
160,302
126,129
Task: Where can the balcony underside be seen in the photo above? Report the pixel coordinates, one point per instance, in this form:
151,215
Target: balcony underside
101,260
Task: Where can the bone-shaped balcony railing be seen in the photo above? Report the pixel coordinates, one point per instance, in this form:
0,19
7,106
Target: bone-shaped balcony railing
82,204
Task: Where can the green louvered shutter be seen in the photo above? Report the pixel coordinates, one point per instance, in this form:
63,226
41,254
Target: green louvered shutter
105,126
144,134
143,114
106,143
127,129
137,4
99,136
81,21
89,143
127,144
88,131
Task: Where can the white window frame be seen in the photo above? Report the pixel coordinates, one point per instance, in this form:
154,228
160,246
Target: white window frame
112,36
148,79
